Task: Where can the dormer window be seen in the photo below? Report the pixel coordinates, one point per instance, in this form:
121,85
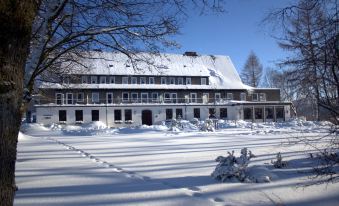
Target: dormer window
112,80
134,80
151,80
163,80
125,80
94,79
172,80
84,79
188,80
203,81
103,80
255,97
142,80
180,81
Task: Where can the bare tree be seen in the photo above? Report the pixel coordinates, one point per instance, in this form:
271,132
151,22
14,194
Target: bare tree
252,71
62,31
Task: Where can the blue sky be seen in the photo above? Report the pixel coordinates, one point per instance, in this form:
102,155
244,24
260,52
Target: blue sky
234,33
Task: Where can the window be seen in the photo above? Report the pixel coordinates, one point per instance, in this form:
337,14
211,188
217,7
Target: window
69,98
180,80
125,96
94,79
217,96
196,113
163,80
144,97
102,80
154,97
142,80
279,112
79,117
262,97
243,96
62,116
193,97
109,98
269,113
95,97
117,115
134,97
258,113
59,98
255,97
211,112
125,80
134,80
167,97
203,81
174,97
128,115
188,80
84,79
178,113
95,115
169,113
80,97
223,113
112,80
229,96
151,80
172,80
247,113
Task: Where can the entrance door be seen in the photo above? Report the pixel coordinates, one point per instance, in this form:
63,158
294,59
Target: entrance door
146,117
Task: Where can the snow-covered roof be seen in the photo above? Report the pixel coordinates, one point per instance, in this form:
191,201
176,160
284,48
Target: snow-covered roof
220,69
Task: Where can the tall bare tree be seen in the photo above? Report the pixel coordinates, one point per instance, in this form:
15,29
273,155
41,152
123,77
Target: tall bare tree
252,71
61,31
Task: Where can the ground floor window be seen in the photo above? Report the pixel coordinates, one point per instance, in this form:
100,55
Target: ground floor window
95,115
128,115
62,116
269,112
258,113
178,113
79,115
169,113
117,115
223,113
196,113
247,113
279,112
211,112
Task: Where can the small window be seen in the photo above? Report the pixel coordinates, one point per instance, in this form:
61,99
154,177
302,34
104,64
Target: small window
109,98
84,79
102,80
144,97
247,113
154,97
59,98
172,80
269,113
163,80
95,97
94,79
203,81
230,96
196,113
258,113
167,97
134,80
217,96
255,97
178,113
180,81
128,115
69,98
134,97
188,80
117,115
243,96
151,80
193,97
80,97
142,80
125,96
112,80
62,116
223,113
79,117
95,115
169,113
262,97
211,112
125,80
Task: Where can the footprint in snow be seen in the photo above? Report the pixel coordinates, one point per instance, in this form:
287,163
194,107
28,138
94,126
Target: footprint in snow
218,199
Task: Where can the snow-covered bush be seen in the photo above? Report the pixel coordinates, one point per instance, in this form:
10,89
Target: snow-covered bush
279,163
232,167
207,126
195,121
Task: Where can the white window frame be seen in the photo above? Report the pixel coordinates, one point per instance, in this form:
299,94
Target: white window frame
217,96
94,79
163,80
110,80
174,97
124,80
243,96
229,96
142,98
134,80
123,99
102,80
68,98
134,100
61,98
188,80
172,80
180,81
167,99
142,80
203,81
156,98
107,94
193,100
95,97
262,97
151,80
80,99
84,79
255,95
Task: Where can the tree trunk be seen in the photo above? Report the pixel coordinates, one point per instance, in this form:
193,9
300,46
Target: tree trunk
16,19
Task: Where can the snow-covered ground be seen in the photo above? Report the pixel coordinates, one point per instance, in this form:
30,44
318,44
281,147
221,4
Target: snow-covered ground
95,165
